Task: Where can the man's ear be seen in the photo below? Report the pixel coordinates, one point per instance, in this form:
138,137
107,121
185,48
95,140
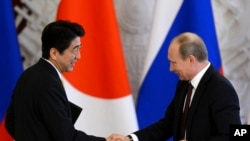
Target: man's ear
53,53
191,58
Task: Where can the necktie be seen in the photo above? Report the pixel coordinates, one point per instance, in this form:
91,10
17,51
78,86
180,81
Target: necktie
185,112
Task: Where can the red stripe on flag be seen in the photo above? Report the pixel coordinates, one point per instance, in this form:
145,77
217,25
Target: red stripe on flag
4,134
101,71
221,70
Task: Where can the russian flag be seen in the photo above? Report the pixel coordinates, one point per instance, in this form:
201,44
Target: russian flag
99,82
170,19
10,61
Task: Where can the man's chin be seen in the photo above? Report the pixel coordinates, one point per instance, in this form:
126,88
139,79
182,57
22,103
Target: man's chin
181,78
70,69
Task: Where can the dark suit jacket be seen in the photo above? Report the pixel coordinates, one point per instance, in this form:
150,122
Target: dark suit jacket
214,107
40,110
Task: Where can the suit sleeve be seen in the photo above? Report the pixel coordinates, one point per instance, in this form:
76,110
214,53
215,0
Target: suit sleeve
158,131
162,129
56,115
165,127
225,108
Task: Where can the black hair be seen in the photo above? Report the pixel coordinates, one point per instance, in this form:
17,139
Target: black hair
59,35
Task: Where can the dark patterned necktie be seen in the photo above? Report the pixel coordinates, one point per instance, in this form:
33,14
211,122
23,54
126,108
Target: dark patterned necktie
185,112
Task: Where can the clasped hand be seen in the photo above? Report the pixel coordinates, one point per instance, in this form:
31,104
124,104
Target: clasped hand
117,137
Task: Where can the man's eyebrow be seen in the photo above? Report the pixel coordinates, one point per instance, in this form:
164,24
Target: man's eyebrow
78,46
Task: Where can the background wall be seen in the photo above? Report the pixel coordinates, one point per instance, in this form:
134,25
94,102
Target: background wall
135,18
233,34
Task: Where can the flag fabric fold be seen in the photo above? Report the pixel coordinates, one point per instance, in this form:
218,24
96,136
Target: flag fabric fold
170,19
99,82
10,60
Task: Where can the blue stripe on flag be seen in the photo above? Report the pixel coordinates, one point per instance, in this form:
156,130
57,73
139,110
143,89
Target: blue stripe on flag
10,58
159,84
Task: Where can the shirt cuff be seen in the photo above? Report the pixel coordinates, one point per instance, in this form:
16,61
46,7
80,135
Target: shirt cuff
134,137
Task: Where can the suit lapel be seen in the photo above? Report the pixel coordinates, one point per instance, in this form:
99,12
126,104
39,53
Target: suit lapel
197,96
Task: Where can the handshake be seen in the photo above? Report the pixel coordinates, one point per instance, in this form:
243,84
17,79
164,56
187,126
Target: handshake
118,137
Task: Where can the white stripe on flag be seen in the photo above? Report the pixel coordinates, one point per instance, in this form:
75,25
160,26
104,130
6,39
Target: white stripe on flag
164,15
113,115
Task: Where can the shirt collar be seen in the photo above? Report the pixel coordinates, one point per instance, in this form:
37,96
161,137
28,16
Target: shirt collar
58,72
196,80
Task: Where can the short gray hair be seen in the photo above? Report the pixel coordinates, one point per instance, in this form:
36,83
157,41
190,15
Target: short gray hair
192,44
